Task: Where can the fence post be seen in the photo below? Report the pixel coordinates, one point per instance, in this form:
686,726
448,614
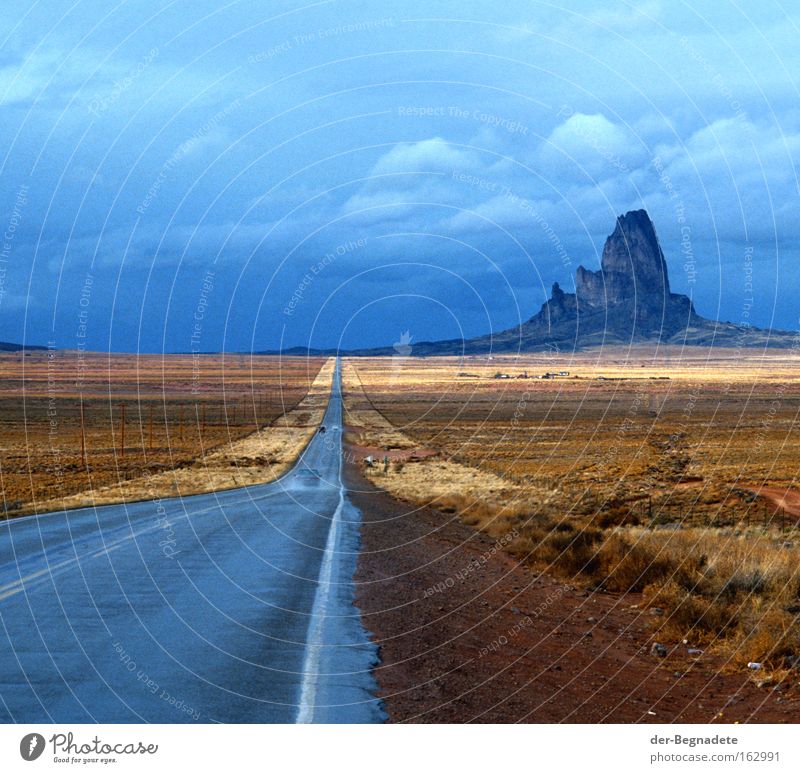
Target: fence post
83,435
122,432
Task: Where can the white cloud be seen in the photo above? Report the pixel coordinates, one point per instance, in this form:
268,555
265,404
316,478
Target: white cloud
590,144
426,156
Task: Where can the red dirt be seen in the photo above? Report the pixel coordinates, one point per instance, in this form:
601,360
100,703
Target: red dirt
497,642
395,454
784,499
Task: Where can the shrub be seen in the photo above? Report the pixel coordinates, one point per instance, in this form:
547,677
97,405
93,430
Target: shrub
767,636
630,566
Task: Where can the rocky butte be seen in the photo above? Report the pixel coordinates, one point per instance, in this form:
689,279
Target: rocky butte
627,301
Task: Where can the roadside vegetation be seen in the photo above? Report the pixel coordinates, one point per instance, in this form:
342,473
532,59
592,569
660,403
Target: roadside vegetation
657,480
85,428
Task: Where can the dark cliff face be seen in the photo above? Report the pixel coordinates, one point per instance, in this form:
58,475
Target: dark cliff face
633,267
627,300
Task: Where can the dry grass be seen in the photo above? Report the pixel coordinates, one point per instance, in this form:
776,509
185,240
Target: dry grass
639,482
217,422
738,591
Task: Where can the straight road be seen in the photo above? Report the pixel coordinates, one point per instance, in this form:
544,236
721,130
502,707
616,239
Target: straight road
227,607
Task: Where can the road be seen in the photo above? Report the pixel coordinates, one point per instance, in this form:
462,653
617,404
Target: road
226,607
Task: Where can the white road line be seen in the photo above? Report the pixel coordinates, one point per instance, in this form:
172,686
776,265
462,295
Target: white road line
314,639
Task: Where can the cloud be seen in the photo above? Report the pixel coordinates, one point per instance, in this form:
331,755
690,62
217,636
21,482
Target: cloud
626,17
412,174
589,144
426,156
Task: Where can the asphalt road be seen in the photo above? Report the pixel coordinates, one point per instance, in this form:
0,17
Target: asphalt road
227,607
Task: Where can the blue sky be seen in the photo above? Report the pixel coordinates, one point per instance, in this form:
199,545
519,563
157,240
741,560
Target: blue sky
242,175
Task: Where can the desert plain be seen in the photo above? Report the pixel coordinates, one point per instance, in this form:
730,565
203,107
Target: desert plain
657,483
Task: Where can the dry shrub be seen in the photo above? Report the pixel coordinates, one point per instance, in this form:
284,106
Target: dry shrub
767,635
630,566
739,590
739,595
571,550
495,518
617,516
688,614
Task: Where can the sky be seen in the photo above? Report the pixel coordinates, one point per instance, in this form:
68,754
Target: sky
242,176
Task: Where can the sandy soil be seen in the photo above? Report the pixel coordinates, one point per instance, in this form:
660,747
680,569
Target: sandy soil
467,634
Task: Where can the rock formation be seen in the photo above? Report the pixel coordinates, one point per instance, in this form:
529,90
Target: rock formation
627,301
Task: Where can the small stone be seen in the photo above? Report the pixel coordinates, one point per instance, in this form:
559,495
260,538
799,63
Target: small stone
659,650
692,651
591,619
656,612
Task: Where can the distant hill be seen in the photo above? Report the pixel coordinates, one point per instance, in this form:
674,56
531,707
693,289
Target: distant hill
627,301
5,346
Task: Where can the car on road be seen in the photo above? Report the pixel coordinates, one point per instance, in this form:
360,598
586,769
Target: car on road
308,475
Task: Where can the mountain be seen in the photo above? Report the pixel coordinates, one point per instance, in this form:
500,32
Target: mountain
5,346
627,301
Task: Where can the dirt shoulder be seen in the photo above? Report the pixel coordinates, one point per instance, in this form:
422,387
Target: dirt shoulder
467,634
261,457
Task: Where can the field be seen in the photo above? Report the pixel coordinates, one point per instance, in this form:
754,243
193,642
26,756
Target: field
152,426
671,475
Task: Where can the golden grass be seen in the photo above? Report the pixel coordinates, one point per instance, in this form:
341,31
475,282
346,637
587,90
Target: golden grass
642,481
428,480
259,414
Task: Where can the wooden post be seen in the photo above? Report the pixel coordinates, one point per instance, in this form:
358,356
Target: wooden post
122,431
83,436
203,420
